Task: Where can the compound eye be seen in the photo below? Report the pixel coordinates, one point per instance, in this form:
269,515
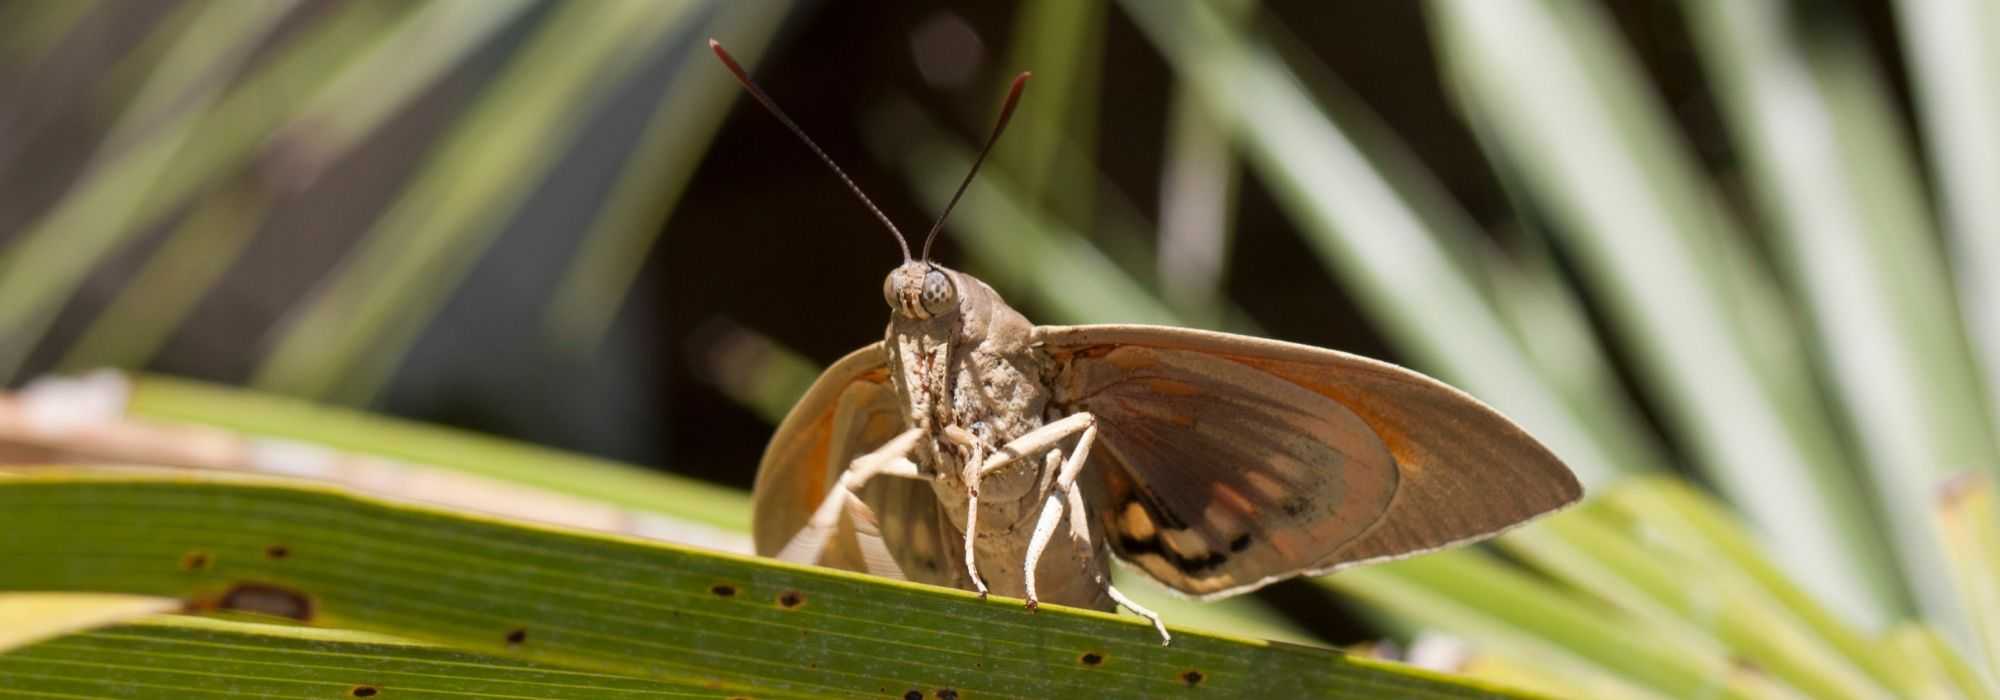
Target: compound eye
889,292
939,296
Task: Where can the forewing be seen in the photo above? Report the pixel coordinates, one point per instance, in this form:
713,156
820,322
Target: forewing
1321,458
1218,475
849,411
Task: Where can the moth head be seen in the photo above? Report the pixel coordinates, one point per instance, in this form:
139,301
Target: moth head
920,290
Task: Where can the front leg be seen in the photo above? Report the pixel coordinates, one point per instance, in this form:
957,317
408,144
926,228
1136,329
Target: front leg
1052,509
1036,441
977,448
1065,493
891,459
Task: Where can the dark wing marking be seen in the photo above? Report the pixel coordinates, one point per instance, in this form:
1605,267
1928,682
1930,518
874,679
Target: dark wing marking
1228,462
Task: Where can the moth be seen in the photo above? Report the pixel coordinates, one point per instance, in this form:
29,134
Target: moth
972,448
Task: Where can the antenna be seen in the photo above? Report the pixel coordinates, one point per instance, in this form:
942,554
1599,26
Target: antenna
758,93
1006,112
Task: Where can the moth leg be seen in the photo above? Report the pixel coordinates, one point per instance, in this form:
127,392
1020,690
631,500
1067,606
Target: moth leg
965,438
891,459
1079,521
1037,441
1052,509
1059,496
1141,611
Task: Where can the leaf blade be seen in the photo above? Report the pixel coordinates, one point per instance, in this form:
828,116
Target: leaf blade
613,604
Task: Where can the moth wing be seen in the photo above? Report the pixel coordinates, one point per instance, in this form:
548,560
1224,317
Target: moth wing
913,531
1225,463
849,411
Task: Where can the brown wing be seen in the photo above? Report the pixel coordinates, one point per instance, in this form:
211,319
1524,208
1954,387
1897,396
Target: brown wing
849,411
1226,462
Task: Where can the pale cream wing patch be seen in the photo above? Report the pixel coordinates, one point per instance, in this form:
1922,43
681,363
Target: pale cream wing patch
1212,476
1461,471
849,411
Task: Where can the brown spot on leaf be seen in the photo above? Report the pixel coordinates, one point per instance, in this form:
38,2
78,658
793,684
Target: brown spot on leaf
914,695
277,551
791,600
364,691
722,590
196,561
947,694
1192,677
1091,658
517,636
267,599
1745,666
